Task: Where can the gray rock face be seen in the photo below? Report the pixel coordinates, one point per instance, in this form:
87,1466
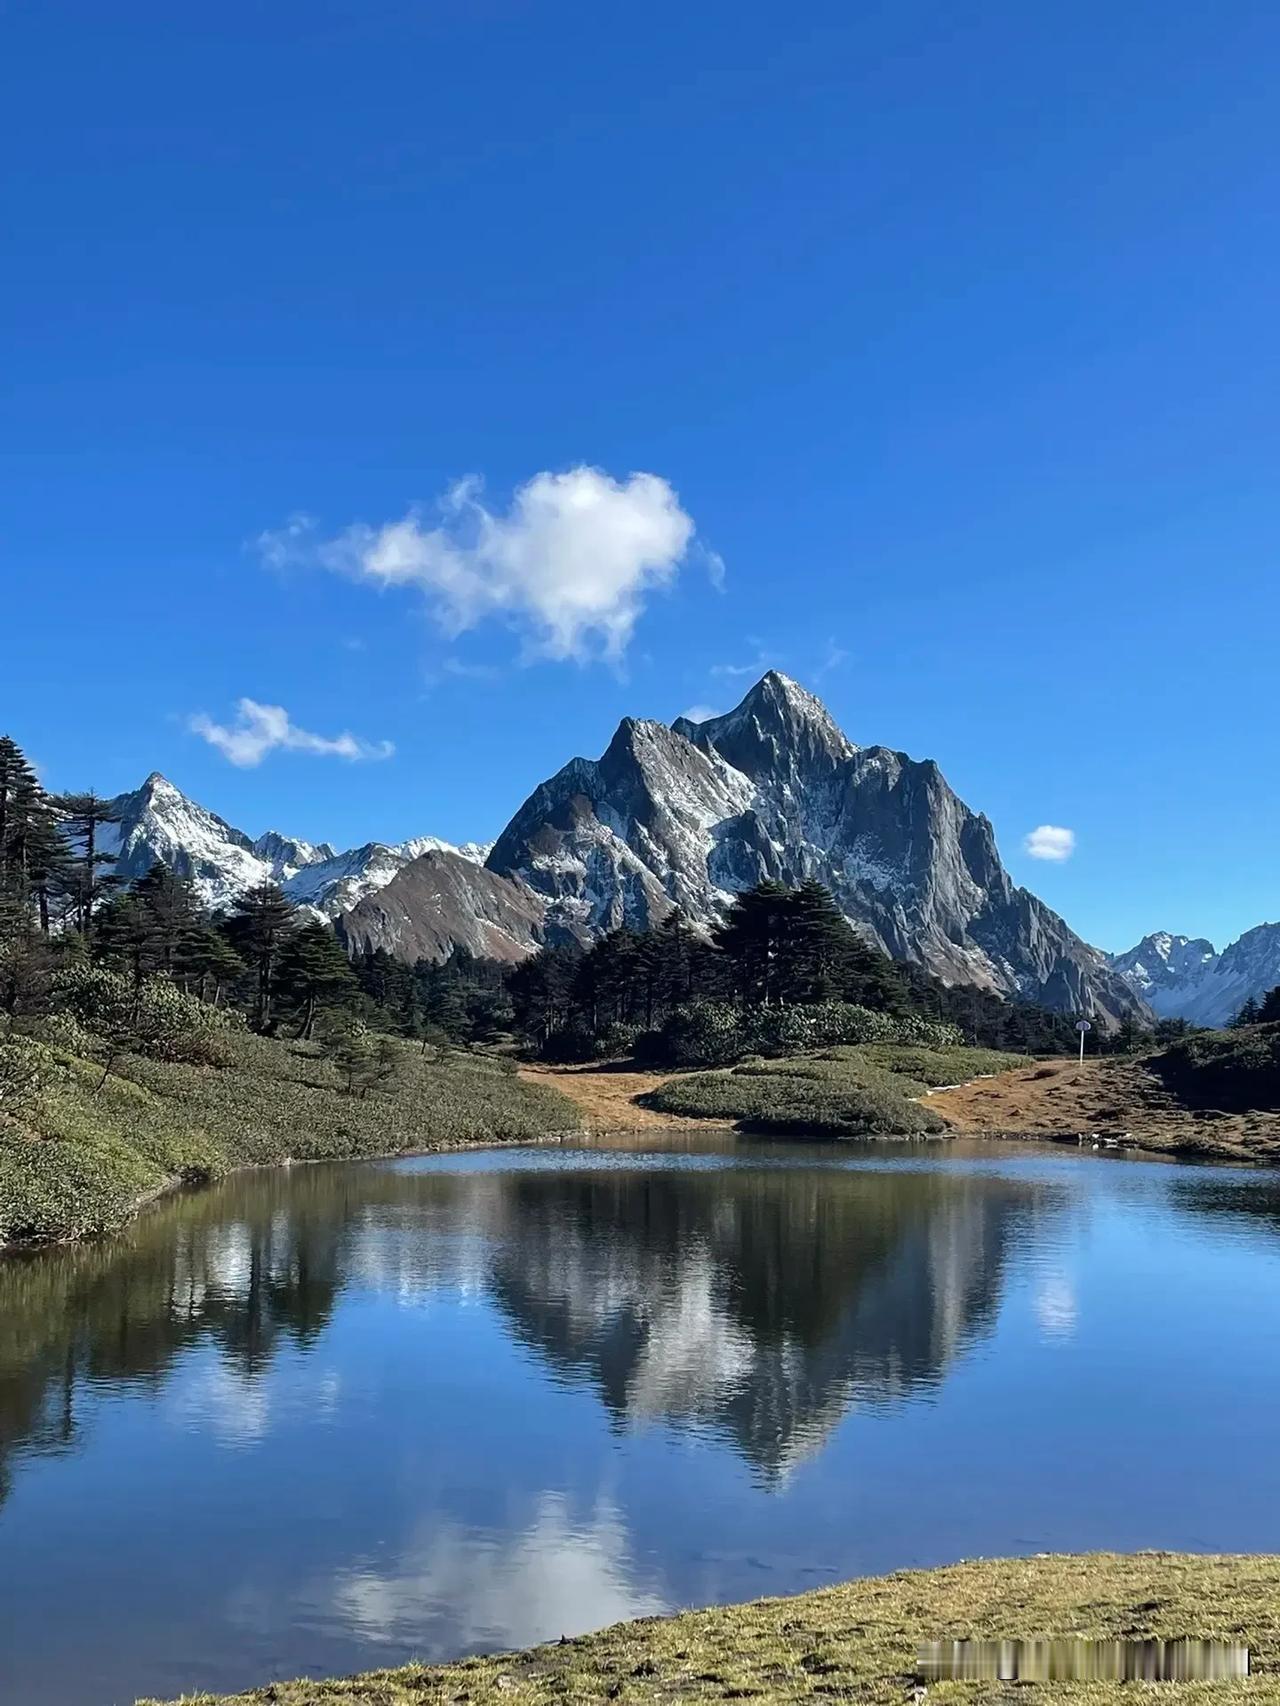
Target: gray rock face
443,901
687,816
1182,977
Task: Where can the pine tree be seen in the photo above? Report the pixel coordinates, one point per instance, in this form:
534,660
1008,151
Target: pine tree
1249,1014
84,816
314,973
32,847
208,957
261,922
751,939
1269,1011
171,913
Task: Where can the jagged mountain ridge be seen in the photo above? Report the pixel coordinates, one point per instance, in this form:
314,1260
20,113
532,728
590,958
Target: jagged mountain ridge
688,815
1182,977
682,816
159,824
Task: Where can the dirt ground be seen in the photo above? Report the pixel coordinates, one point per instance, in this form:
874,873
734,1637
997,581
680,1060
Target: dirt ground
1108,1100
607,1097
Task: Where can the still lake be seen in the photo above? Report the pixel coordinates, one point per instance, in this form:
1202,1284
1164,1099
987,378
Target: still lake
321,1419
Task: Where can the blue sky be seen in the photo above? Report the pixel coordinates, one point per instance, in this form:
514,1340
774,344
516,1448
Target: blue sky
948,335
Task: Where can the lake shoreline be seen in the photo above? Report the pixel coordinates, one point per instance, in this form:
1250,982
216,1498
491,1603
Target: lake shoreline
858,1641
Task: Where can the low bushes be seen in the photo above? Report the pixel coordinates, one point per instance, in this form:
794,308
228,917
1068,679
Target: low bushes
717,1033
1225,1069
79,1154
837,1095
153,1018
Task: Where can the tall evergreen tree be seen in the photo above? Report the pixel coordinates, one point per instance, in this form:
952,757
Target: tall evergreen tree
1269,1010
752,937
84,817
314,973
261,922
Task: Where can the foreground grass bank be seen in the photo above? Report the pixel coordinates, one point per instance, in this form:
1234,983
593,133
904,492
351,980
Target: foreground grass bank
858,1642
861,1090
81,1160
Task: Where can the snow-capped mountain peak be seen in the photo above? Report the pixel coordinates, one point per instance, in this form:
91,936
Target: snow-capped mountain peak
1182,977
159,824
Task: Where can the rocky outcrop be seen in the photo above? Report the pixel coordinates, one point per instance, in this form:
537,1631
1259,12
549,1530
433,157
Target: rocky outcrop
441,902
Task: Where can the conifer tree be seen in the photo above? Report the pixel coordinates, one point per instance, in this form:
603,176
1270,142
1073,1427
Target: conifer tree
314,973
1269,1011
1249,1014
751,938
261,922
84,817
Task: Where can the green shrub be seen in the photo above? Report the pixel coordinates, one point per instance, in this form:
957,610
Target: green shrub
1226,1069
717,1033
27,1068
154,1019
840,1095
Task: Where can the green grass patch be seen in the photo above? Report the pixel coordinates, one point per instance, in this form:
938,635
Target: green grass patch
79,1160
856,1091
858,1642
934,1066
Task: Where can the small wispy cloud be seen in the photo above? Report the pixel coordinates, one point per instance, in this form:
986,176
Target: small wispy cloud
1050,841
755,667
700,713
461,670
834,658
262,729
570,564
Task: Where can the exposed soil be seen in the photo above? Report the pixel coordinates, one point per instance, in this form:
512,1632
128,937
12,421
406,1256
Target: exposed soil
1115,1103
607,1097
1107,1101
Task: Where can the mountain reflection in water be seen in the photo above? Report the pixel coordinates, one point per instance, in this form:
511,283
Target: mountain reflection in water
760,1301
333,1417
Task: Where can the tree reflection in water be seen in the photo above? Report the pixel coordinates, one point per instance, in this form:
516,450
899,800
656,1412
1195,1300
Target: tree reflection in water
755,1299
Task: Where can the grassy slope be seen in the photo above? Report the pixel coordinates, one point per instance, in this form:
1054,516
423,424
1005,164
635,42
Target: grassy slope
842,1092
83,1161
858,1642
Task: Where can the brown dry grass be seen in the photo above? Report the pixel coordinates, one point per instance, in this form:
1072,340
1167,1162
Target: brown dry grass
607,1099
1064,1100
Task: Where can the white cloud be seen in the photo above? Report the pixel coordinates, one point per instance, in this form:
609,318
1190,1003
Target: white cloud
1048,841
700,713
570,563
260,729
501,1590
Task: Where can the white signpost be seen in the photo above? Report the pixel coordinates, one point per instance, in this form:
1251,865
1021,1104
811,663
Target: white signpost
1084,1027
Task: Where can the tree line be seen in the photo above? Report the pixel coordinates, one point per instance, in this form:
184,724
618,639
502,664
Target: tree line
778,950
1259,1012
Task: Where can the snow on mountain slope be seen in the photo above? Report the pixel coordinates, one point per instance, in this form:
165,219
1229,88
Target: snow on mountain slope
689,815
1182,977
159,824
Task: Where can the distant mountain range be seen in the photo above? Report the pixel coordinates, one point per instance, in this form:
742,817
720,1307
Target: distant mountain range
681,816
159,824
1184,977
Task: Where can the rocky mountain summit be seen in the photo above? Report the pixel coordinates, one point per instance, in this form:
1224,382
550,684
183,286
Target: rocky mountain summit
1182,977
690,814
158,824
682,816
